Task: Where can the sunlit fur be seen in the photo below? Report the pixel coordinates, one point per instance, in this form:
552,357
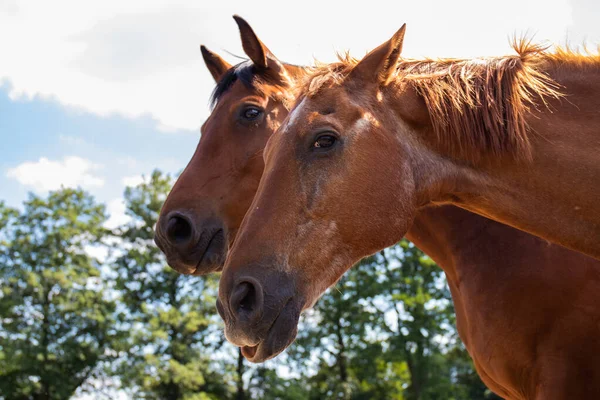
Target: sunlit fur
508,286
535,167
477,106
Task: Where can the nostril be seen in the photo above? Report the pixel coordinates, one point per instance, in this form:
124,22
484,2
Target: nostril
246,300
179,230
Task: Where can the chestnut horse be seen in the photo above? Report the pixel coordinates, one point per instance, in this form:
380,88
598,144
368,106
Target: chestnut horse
370,144
518,306
515,139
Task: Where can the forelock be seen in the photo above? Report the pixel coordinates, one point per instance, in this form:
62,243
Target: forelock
245,72
263,81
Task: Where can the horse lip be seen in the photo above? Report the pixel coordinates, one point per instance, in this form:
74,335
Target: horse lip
187,264
207,248
254,353
249,351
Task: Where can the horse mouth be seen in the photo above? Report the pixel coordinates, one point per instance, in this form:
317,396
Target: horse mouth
213,256
249,351
280,335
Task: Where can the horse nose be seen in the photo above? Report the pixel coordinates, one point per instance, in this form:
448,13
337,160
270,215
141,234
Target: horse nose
179,230
246,300
192,245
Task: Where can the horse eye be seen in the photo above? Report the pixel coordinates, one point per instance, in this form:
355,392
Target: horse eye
325,141
251,113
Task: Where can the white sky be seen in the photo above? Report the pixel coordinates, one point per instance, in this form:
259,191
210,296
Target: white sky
141,57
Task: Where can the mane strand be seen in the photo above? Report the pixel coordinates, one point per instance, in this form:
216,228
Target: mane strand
477,106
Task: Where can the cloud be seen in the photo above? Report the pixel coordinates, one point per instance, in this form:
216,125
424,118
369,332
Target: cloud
138,59
44,174
117,213
135,45
9,7
141,57
133,180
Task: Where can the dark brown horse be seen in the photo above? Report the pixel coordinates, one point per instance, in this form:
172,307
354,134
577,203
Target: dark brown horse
209,200
518,302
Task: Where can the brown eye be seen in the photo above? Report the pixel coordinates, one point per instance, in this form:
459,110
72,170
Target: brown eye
251,113
325,141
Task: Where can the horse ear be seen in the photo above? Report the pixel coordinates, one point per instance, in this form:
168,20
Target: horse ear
379,65
215,64
260,55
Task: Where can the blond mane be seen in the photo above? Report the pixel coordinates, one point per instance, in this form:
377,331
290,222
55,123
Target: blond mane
476,106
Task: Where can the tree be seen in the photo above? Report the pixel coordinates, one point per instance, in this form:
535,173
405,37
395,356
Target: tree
266,384
336,333
56,320
174,330
415,312
417,316
386,331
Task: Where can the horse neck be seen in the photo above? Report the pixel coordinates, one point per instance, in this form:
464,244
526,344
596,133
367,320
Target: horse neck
555,194
447,234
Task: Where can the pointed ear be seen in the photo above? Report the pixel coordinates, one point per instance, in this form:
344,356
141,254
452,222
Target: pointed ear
380,64
260,55
215,64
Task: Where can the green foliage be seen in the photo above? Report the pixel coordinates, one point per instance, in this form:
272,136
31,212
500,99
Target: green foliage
338,330
417,300
173,329
266,384
56,321
385,331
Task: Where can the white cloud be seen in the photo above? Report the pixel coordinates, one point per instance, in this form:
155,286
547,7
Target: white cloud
134,180
116,211
44,174
114,57
9,6
141,57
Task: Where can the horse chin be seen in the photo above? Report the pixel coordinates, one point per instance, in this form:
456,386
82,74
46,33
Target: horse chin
204,258
281,334
214,264
203,267
214,255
